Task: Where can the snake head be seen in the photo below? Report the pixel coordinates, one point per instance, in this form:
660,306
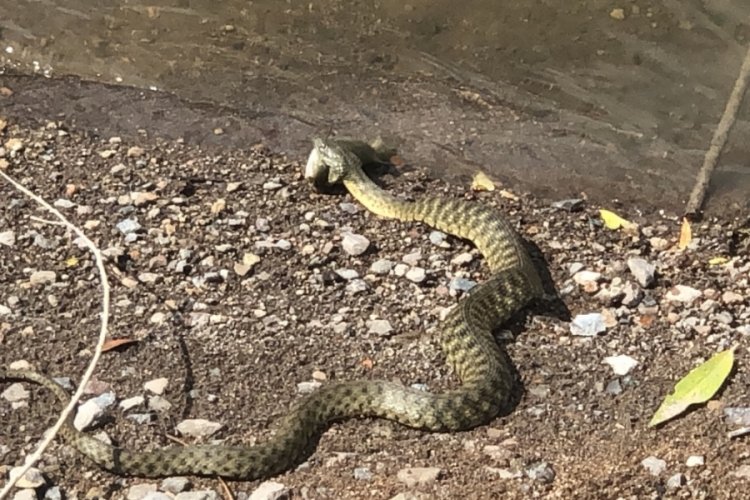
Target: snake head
327,163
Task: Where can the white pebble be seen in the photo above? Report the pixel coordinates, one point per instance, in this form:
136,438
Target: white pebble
198,427
621,364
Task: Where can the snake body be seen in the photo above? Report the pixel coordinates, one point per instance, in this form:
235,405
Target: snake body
482,366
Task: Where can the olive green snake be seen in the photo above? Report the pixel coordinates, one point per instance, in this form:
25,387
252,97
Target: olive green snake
483,367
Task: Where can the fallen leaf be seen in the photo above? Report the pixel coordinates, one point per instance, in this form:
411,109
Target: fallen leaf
686,234
614,221
717,261
482,183
71,261
110,344
696,387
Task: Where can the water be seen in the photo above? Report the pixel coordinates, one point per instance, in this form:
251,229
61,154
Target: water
583,98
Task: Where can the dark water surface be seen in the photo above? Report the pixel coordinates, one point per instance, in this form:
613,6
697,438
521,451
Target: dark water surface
610,99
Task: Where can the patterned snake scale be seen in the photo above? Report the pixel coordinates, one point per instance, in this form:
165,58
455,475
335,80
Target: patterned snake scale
483,367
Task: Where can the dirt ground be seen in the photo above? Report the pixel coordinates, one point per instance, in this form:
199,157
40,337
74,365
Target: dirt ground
235,347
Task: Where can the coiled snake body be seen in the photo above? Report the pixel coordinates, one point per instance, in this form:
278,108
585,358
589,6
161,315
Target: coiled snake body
483,367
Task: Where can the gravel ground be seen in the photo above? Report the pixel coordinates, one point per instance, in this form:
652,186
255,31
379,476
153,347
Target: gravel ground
241,288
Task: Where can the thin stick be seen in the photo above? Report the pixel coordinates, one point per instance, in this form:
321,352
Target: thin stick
718,141
34,457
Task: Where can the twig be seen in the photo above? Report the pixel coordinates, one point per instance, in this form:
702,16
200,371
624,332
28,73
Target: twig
34,457
695,203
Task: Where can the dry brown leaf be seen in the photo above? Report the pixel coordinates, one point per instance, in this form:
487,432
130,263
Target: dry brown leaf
111,344
482,183
686,234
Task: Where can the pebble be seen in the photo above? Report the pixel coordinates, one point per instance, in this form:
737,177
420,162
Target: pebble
157,495
503,473
354,244
42,277
569,205
197,495
675,481
139,491
614,387
416,274
695,461
584,277
128,226
270,490
356,286
175,484
621,364
159,404
284,244
53,493
33,477
379,327
730,297
382,266
743,471
308,386
541,472
272,185
233,186
7,238
149,278
198,427
25,494
400,269
643,271
737,415
437,238
682,293
362,473
412,258
90,411
462,284
462,258
347,274
655,466
575,267
413,476
63,203
15,392
349,208
130,403
632,295
587,325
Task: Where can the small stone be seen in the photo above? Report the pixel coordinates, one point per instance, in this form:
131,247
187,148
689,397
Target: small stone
14,145
682,293
462,258
584,277
156,385
644,272
356,286
149,277
658,244
319,375
175,484
198,427
416,274
632,295
695,461
197,495
25,494
88,413
730,297
8,238
503,473
382,266
128,226
218,206
575,267
15,393
737,415
400,269
33,478
270,490
135,152
462,284
53,493
675,481
349,208
42,277
308,386
621,364
130,403
362,473
347,274
655,466
569,205
380,327
63,203
284,244
614,387
413,476
587,325
159,404
272,185
618,14
437,238
250,259
541,472
412,258
743,471
355,244
139,491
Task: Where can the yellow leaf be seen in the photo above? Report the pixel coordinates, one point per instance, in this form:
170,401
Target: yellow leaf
614,221
71,261
717,261
686,234
482,183
696,387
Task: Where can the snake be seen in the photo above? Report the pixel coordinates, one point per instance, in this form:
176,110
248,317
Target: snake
484,368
